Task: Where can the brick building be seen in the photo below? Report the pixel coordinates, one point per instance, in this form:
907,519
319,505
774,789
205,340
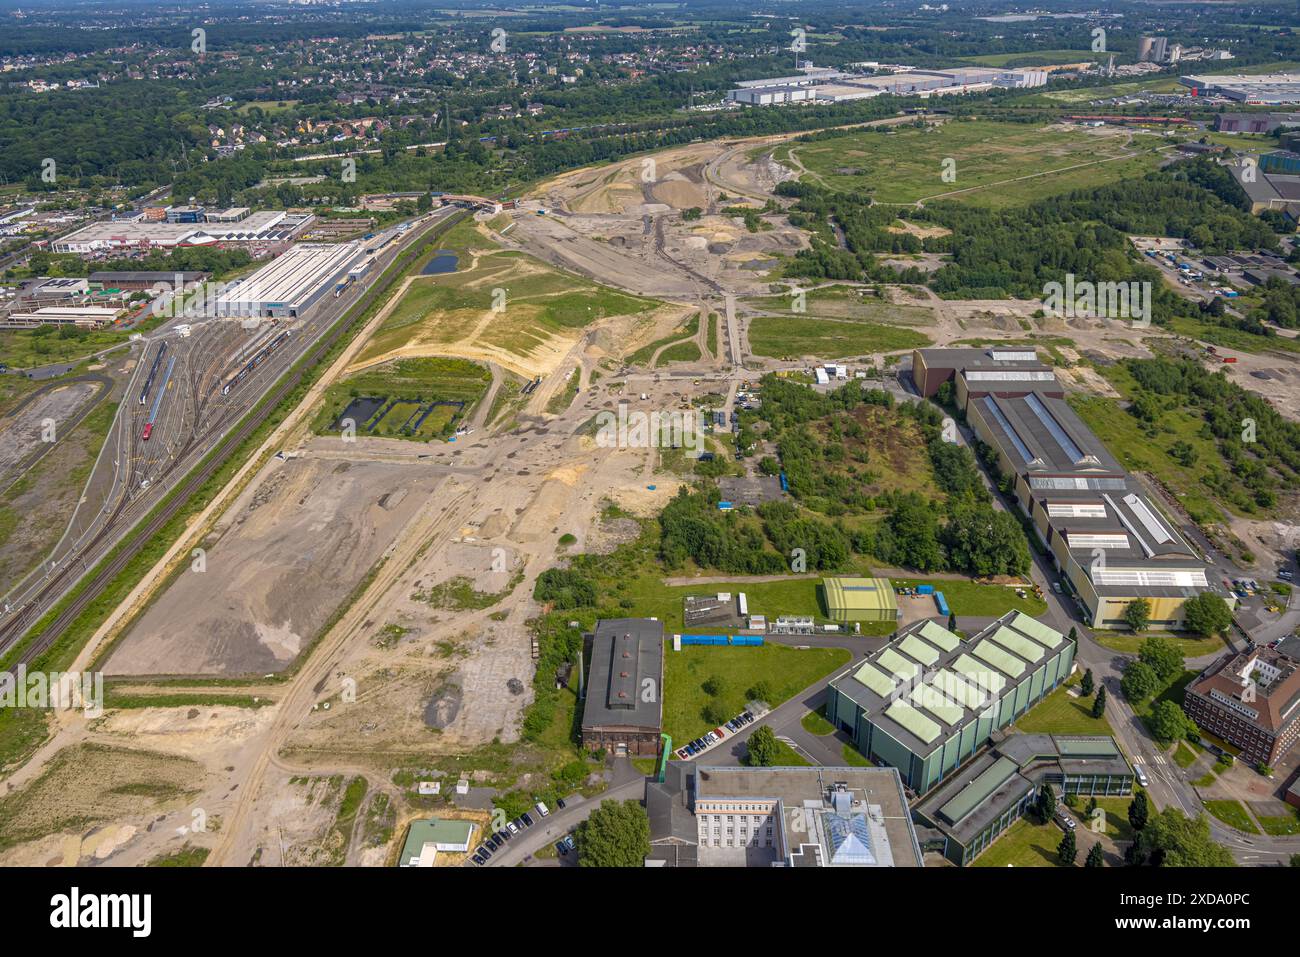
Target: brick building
1250,700
623,713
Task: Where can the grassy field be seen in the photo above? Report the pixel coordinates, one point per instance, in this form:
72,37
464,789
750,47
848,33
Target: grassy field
26,349
845,302
735,671
411,383
781,337
497,300
1128,643
1059,713
904,166
643,355
1233,814
1126,438
1233,338
651,598
967,598
814,722
1279,825
1023,844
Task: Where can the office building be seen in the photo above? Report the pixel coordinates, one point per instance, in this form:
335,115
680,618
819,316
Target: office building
779,817
427,838
927,701
623,710
1251,700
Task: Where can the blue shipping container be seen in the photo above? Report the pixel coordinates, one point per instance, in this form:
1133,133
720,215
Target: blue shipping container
925,589
941,603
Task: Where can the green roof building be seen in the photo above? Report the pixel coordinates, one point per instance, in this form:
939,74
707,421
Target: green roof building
929,700
974,807
860,599
427,837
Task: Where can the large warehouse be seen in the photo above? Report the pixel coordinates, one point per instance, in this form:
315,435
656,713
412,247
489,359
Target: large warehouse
624,710
928,700
293,282
860,599
145,234
1108,539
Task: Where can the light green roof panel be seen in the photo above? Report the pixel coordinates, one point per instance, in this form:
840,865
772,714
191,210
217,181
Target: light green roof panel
939,636
891,660
978,791
933,700
913,721
876,680
1035,629
981,674
1004,661
914,647
1088,747
1031,651
960,690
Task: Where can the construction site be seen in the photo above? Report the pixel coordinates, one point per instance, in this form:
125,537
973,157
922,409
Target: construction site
366,600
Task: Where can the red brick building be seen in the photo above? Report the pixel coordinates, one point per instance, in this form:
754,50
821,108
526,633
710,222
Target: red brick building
1252,701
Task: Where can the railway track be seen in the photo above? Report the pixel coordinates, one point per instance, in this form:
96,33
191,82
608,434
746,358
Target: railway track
16,629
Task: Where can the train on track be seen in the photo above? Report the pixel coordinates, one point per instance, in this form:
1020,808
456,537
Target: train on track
153,371
234,381
157,401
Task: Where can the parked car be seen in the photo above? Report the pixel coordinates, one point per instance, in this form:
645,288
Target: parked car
503,834
527,819
560,803
512,827
478,859
569,842
1065,821
542,809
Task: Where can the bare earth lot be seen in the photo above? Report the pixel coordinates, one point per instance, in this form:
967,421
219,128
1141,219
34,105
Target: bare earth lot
295,548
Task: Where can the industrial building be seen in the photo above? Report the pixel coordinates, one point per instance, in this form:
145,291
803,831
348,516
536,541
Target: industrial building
779,817
429,837
1251,700
1111,543
293,282
1267,190
623,710
967,814
1254,122
144,280
1264,89
833,86
927,701
144,234
860,599
83,317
